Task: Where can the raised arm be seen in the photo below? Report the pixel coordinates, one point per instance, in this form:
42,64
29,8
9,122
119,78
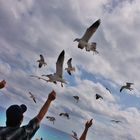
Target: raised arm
84,134
45,107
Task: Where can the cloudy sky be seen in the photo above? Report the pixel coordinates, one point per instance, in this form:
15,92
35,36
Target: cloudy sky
29,28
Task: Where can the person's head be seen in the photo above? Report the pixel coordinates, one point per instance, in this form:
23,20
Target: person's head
2,84
14,115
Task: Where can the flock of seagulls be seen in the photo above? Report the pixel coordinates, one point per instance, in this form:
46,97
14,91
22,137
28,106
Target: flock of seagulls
57,76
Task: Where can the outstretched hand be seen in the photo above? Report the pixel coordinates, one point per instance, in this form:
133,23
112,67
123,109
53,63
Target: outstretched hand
88,124
52,95
2,84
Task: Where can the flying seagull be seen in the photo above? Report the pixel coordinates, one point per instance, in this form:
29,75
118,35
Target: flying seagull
83,42
74,135
65,115
41,61
108,89
116,121
127,86
76,98
98,96
70,68
59,71
52,119
32,96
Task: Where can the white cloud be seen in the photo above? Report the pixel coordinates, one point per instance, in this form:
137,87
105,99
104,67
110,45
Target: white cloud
29,28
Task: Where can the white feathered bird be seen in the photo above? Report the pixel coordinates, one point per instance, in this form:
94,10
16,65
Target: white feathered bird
127,86
52,119
32,96
83,42
74,135
58,75
70,68
41,61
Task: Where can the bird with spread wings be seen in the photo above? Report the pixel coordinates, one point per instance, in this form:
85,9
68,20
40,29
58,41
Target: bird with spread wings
83,42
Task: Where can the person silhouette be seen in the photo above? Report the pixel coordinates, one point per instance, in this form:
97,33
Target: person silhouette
14,118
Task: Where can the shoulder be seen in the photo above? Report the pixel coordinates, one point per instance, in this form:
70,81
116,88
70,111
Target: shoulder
10,132
33,124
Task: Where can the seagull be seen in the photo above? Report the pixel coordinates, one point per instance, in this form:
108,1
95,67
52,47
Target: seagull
51,118
108,89
65,115
32,96
59,71
76,98
41,61
98,96
127,86
83,42
70,68
74,135
116,121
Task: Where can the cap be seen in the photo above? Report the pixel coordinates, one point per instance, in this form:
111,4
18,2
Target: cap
14,113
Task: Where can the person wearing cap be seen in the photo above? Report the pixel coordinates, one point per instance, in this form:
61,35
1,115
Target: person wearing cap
14,118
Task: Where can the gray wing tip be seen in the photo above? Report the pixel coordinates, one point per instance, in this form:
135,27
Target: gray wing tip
63,52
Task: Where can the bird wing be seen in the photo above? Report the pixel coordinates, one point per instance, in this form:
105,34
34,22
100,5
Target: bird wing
30,93
116,121
69,63
108,89
69,72
122,88
98,96
59,64
39,77
40,65
34,76
48,117
89,32
34,100
60,114
129,84
41,57
74,133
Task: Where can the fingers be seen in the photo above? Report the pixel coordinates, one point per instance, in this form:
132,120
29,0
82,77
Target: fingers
91,120
52,95
88,123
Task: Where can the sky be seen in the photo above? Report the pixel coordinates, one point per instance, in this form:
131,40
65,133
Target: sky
29,28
